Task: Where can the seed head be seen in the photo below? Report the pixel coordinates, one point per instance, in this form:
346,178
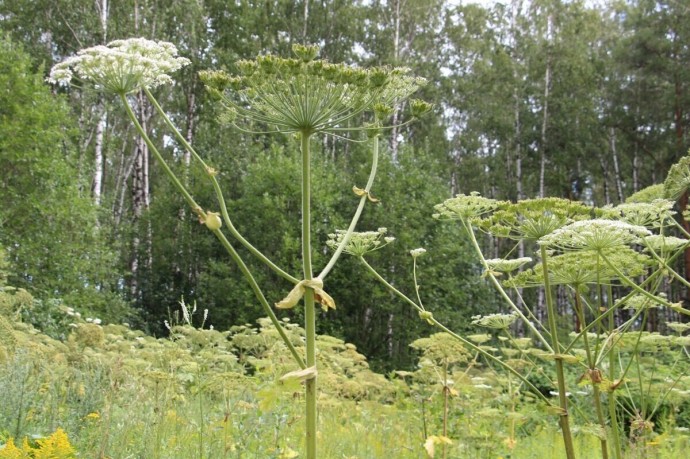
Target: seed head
309,95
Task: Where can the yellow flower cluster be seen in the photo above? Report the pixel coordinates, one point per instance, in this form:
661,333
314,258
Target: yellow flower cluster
56,446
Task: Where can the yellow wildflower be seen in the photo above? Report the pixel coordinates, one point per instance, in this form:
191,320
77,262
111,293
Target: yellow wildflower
10,451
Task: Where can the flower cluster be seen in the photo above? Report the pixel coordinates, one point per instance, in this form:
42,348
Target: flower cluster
678,180
647,194
417,252
56,445
360,243
533,218
505,266
597,235
664,244
121,67
495,321
639,302
655,214
582,268
307,95
464,207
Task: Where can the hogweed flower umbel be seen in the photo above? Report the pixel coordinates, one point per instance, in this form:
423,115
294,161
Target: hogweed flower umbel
307,95
597,234
495,321
533,218
417,252
655,214
582,268
464,207
122,66
360,243
505,266
678,180
664,244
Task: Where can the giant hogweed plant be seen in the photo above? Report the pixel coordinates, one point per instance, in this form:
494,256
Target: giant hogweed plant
592,252
303,96
606,260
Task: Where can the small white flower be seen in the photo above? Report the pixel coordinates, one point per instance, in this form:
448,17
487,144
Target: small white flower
417,252
97,321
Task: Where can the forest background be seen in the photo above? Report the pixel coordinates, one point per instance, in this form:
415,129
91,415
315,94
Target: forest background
581,100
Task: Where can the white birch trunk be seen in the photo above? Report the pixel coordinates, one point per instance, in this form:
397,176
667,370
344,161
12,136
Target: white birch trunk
99,162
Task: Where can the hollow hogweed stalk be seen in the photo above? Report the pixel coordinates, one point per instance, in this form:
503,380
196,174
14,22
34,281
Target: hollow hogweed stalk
308,96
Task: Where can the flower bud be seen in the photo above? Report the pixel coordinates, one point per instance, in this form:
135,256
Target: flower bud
306,53
427,315
419,107
212,221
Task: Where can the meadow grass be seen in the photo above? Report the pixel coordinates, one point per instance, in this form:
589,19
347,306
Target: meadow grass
119,394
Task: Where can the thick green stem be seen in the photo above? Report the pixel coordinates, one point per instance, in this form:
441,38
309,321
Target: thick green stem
593,375
613,417
564,419
221,237
309,306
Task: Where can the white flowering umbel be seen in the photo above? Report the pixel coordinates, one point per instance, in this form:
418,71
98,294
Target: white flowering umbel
495,321
417,252
360,243
655,214
507,265
463,207
597,234
665,244
122,66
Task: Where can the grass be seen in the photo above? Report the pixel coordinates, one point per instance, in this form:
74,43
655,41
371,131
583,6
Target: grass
120,394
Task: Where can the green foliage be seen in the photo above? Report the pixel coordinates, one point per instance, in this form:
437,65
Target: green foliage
52,242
